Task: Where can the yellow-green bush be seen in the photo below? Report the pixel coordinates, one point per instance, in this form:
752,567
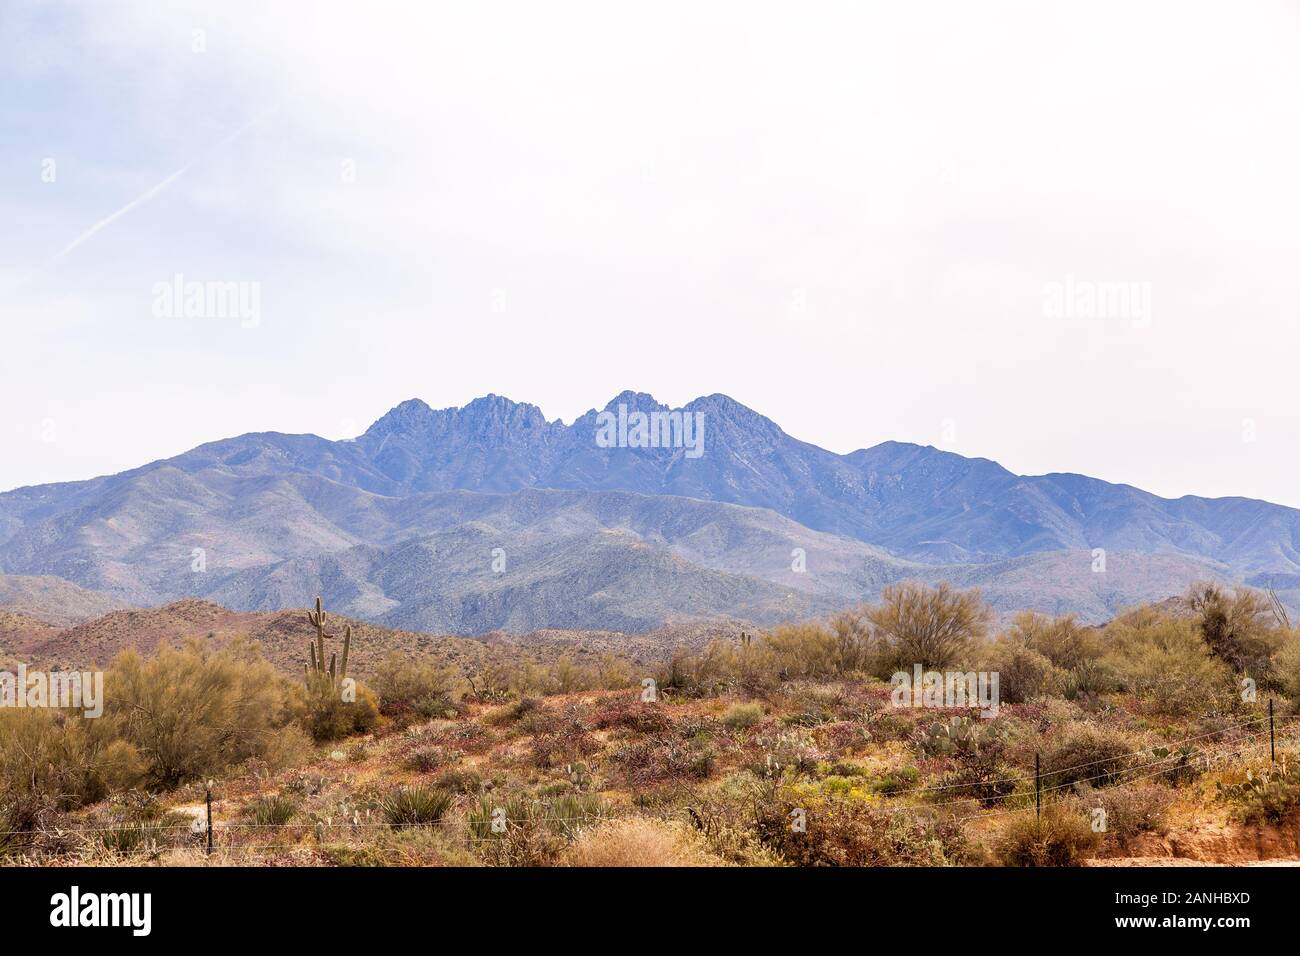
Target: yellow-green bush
1163,660
328,716
192,711
416,685
64,758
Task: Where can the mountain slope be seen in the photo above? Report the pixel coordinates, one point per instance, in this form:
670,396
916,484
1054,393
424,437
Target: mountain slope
612,537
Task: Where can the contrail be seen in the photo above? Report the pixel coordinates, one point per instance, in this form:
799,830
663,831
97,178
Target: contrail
154,191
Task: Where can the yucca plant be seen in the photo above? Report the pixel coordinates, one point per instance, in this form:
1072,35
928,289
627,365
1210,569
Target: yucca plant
415,805
272,811
563,815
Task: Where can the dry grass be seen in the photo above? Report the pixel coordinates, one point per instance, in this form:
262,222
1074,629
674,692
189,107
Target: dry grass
639,841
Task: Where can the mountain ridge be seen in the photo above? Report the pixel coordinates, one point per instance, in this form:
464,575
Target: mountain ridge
265,506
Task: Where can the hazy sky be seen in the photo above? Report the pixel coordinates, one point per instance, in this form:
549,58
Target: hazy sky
850,217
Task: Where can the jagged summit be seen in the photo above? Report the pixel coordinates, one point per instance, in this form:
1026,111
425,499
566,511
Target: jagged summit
278,515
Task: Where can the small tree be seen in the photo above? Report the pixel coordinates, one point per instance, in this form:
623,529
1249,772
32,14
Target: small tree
1238,626
933,627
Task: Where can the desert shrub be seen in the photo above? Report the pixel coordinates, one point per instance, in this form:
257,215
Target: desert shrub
330,717
415,805
633,714
647,761
1086,679
1065,642
23,818
1286,667
514,712
885,724
426,759
814,703
638,841
569,743
813,650
934,627
416,686
567,675
1023,673
957,736
571,812
741,716
988,781
357,753
466,736
1086,752
287,747
492,683
193,711
1237,626
1176,764
1164,661
127,837
1062,837
850,832
407,846
844,736
271,811
1133,810
562,815
65,759
897,780
725,821
459,780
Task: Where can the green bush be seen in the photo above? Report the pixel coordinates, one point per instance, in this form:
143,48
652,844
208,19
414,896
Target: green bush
330,717
416,686
1164,661
1065,642
1086,752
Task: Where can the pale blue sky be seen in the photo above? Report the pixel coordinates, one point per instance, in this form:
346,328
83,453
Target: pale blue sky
842,215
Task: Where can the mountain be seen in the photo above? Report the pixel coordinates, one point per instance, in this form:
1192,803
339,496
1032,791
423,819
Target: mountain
399,525
53,601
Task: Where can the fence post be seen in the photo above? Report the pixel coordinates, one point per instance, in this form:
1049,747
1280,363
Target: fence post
1038,788
209,818
1272,747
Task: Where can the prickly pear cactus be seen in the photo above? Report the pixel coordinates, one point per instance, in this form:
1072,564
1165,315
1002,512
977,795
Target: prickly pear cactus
953,736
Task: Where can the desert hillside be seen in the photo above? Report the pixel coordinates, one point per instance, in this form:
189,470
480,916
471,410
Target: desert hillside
1170,735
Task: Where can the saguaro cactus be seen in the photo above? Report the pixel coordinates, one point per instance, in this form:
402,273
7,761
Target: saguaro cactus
317,672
